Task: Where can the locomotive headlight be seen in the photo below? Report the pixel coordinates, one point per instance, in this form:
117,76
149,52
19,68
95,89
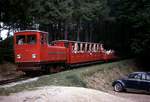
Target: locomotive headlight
18,56
34,55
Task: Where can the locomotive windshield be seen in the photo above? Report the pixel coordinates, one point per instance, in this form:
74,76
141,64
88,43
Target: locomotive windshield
25,39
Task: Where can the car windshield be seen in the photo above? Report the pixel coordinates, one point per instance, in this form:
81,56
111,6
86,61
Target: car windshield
25,39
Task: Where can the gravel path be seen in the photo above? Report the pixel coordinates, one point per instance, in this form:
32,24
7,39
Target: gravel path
137,97
63,94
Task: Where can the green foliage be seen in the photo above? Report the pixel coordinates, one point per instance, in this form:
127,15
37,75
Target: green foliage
7,43
16,13
135,14
68,10
140,45
6,50
54,16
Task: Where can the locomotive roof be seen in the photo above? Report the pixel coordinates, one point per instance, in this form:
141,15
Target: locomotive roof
32,31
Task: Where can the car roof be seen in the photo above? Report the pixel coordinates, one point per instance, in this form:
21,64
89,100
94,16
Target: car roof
142,72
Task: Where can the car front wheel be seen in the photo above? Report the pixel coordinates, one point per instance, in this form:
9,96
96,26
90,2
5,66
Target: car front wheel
118,87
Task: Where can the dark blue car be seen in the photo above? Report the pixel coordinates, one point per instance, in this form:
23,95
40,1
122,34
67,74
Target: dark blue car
135,80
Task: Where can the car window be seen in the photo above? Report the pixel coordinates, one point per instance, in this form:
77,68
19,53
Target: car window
143,77
135,76
148,77
131,76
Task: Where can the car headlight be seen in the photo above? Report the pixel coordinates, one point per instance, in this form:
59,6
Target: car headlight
18,56
34,55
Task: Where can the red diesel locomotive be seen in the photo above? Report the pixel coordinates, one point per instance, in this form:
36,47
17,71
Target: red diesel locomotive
33,52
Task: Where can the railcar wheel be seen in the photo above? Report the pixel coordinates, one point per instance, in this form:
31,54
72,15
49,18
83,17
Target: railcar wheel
118,87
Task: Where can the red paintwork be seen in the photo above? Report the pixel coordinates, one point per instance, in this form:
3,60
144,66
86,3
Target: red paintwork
26,50
81,57
56,52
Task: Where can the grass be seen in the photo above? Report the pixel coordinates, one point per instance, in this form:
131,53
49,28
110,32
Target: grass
75,77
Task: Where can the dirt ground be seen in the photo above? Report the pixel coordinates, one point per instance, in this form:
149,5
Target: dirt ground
63,94
8,71
133,96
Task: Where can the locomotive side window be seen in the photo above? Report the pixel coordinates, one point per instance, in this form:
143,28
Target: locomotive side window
43,38
31,39
20,39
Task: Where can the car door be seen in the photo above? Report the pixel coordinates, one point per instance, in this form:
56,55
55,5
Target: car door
133,81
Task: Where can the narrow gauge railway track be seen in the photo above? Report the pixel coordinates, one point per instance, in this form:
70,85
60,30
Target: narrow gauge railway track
22,78
17,79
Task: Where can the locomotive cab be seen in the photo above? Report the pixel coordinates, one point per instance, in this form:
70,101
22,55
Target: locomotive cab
27,48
